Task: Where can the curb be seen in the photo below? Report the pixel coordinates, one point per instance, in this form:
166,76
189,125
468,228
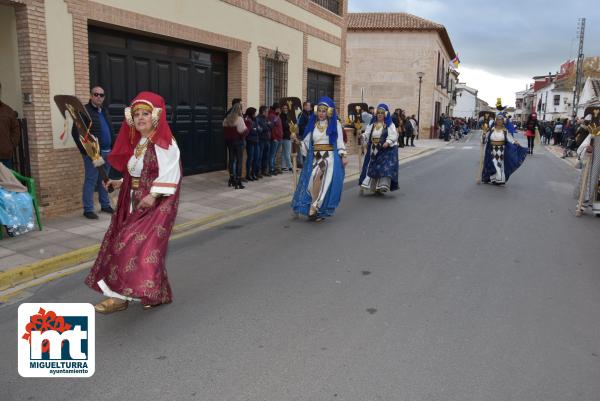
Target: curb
21,275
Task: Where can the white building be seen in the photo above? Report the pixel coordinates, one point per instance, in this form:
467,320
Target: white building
520,110
466,101
555,100
590,95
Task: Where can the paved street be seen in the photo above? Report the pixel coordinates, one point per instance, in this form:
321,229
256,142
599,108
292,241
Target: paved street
443,290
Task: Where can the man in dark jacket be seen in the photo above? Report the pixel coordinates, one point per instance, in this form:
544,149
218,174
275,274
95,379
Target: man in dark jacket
302,123
9,132
102,130
264,141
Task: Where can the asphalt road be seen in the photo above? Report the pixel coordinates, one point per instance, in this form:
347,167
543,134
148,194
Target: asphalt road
444,290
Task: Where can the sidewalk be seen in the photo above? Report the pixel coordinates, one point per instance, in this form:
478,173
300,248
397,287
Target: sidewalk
558,152
70,240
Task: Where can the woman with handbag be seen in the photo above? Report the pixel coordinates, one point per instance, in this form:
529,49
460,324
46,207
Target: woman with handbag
235,131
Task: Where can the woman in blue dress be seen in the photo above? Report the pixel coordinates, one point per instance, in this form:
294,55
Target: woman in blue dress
319,188
503,154
380,168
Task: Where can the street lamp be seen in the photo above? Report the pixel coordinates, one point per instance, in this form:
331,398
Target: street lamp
420,76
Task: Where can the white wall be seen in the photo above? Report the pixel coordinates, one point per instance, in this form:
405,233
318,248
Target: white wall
219,17
61,65
466,105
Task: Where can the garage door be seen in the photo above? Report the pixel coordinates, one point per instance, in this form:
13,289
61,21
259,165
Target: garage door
192,80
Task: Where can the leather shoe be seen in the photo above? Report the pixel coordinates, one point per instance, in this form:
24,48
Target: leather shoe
108,210
91,215
111,305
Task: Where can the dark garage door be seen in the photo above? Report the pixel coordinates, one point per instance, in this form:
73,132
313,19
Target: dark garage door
319,85
192,80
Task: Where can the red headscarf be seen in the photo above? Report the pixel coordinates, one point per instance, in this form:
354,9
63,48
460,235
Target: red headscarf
129,137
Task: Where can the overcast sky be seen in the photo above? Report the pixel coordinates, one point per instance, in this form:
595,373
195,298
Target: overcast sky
501,45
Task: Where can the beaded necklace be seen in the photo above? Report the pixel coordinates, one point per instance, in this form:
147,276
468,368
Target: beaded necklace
140,151
320,127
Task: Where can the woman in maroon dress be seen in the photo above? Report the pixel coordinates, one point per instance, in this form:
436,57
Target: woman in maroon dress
131,262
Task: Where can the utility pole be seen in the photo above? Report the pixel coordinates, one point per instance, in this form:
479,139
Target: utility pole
579,69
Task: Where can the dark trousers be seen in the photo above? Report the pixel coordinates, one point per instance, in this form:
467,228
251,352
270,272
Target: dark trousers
252,158
265,153
530,142
236,155
411,139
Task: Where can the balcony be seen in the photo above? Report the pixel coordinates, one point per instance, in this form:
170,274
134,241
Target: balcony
331,5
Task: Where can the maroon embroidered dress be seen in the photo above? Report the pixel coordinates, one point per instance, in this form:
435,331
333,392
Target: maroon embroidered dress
131,261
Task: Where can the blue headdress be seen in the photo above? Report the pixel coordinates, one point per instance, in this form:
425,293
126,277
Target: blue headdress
332,119
388,116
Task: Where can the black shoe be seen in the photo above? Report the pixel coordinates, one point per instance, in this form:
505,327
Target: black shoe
258,177
231,181
249,178
267,174
238,184
91,215
255,177
108,210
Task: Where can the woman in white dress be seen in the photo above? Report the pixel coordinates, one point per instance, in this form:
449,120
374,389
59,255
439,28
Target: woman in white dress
380,168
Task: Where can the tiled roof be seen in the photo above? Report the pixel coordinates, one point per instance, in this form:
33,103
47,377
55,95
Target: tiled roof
397,22
377,21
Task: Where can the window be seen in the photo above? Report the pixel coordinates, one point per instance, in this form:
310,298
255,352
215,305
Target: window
331,5
275,79
438,80
556,100
444,75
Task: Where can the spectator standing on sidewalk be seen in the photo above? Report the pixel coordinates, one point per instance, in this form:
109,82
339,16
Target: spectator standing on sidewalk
548,131
302,124
286,143
447,128
9,132
235,131
558,129
264,137
415,129
102,130
252,146
276,136
409,133
441,125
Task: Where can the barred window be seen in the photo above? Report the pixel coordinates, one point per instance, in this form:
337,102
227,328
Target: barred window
275,79
556,100
331,5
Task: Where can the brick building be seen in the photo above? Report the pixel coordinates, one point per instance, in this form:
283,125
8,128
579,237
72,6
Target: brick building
198,55
385,51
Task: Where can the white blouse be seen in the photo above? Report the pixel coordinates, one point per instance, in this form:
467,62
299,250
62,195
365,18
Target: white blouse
371,131
498,135
169,171
320,138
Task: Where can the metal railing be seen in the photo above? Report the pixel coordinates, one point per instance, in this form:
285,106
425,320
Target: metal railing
331,5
